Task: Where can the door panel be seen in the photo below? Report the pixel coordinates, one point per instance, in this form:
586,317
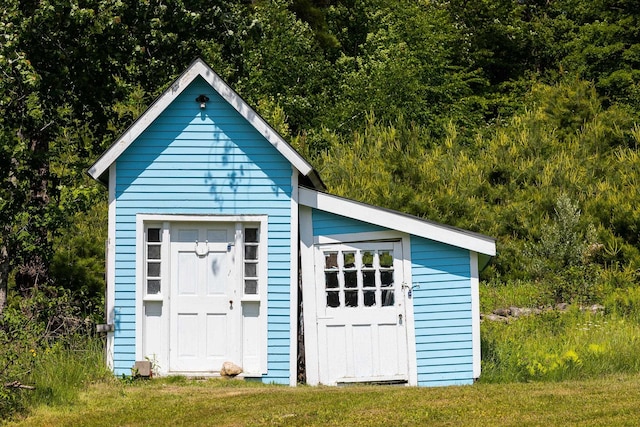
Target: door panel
336,350
360,298
187,274
217,275
363,351
187,335
216,336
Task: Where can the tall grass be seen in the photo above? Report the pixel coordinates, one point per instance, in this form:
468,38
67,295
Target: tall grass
63,369
520,293
555,346
58,373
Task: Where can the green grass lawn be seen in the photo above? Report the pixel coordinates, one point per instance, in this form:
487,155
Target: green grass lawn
552,369
614,400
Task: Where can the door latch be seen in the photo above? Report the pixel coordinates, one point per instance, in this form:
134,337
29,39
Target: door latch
410,289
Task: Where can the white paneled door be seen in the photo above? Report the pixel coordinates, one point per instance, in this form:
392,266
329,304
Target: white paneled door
362,333
205,311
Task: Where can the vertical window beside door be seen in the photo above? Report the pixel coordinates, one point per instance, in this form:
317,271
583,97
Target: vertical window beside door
153,260
251,248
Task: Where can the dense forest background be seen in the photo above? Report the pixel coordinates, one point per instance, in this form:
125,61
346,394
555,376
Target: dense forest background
515,119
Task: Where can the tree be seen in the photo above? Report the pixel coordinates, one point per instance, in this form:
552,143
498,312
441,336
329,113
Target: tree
283,63
407,59
70,73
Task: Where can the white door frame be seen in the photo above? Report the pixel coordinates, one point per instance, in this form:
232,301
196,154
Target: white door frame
310,299
165,220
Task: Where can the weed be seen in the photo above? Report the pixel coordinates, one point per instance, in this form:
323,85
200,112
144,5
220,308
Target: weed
557,346
52,359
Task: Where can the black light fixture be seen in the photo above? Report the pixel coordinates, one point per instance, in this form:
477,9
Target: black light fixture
202,99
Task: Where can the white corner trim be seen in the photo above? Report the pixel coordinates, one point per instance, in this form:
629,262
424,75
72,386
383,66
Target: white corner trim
111,267
293,290
397,221
412,355
140,241
198,68
311,350
475,314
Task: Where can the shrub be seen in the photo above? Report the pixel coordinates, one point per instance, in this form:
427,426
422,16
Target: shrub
625,303
45,345
562,257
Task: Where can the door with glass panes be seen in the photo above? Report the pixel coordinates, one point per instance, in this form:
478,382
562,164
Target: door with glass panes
361,315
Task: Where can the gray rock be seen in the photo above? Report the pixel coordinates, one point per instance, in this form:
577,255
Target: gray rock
504,312
595,308
521,311
495,318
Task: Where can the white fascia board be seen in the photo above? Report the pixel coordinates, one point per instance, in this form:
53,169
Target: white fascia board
198,68
397,221
111,269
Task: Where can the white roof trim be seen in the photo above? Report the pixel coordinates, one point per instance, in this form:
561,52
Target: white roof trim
397,221
200,68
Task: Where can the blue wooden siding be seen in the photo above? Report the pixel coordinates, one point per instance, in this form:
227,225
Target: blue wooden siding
211,161
326,224
441,275
441,302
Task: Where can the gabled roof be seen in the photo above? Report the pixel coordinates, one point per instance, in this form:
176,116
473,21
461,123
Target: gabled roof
399,221
199,68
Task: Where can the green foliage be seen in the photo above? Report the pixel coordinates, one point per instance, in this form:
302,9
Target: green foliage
500,294
406,62
284,64
562,257
433,108
553,184
624,303
46,345
78,264
558,346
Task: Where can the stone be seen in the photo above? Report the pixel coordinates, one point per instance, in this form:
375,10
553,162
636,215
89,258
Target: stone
516,311
495,318
595,308
230,369
142,368
504,312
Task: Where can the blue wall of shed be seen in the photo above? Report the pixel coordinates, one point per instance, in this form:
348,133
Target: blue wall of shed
441,301
325,224
441,276
211,161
